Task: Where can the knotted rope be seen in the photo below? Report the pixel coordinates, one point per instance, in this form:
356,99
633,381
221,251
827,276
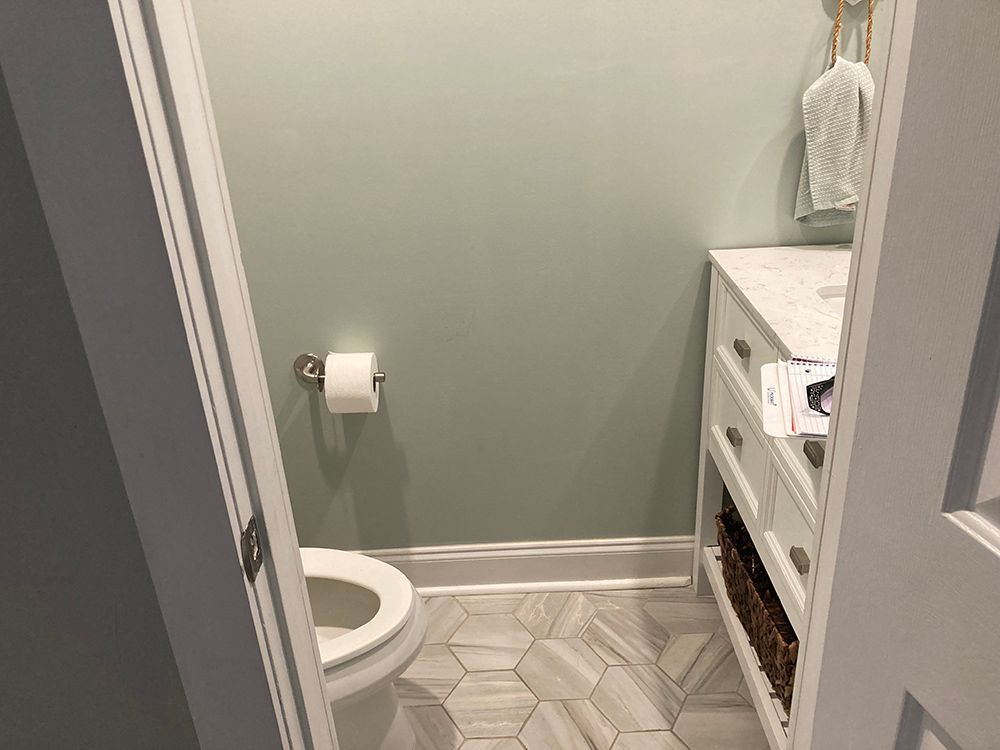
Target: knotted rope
838,23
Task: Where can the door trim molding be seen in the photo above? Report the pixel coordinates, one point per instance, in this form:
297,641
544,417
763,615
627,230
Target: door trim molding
161,56
559,565
112,107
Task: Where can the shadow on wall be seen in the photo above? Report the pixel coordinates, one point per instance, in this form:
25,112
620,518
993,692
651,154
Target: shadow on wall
677,341
786,149
370,500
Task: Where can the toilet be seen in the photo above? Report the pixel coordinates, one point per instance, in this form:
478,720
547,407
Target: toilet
370,625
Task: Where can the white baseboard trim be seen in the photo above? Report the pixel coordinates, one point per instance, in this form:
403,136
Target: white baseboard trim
522,567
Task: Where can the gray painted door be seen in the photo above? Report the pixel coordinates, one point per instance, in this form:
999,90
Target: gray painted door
902,647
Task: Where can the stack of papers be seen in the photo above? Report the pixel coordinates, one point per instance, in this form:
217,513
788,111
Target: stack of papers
784,402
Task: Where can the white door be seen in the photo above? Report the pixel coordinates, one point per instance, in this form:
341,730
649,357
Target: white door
113,110
903,649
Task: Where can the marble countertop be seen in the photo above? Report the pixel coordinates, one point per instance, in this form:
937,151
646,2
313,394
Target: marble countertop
778,286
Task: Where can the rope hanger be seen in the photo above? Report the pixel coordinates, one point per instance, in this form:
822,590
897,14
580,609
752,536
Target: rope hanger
838,23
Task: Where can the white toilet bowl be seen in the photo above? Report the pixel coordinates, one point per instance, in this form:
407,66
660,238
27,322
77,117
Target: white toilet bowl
370,625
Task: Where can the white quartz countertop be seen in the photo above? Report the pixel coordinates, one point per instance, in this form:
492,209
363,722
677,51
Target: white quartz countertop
778,285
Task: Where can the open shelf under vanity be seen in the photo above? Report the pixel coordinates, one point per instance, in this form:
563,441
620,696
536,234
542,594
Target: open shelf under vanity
772,715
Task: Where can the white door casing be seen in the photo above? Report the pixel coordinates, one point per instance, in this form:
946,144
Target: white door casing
171,94
906,599
114,113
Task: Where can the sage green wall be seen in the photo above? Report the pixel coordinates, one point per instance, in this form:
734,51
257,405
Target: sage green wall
510,201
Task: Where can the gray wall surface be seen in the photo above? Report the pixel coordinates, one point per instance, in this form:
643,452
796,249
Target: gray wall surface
85,655
511,203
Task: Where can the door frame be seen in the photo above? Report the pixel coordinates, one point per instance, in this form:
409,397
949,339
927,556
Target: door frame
159,43
125,78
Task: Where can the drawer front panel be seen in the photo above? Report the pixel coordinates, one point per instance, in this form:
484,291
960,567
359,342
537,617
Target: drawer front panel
789,538
741,340
798,456
810,455
743,447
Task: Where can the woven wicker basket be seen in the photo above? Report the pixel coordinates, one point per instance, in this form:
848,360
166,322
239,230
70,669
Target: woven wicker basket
757,605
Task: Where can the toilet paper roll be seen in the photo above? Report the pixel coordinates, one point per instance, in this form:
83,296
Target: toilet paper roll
348,384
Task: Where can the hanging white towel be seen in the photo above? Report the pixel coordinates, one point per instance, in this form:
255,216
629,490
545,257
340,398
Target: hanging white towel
837,109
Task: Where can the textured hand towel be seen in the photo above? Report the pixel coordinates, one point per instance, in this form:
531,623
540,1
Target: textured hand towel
837,109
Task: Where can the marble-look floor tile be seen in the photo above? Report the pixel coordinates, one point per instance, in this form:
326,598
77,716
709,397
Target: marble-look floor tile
555,615
490,604
496,705
650,741
638,698
490,704
620,599
723,633
444,615
430,678
744,692
490,642
561,669
626,636
700,616
498,743
680,654
434,728
561,725
716,670
719,722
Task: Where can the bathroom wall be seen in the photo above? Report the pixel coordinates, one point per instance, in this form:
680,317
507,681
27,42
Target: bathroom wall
84,649
510,201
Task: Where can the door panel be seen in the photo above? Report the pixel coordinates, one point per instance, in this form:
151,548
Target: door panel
905,602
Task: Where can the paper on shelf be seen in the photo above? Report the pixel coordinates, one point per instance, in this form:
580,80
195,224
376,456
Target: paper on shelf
784,398
784,412
801,373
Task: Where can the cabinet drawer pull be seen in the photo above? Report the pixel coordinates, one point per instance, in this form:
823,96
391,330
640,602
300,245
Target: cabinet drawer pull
815,452
800,559
734,437
742,348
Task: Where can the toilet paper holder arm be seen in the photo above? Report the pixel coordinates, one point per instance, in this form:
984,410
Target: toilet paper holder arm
311,370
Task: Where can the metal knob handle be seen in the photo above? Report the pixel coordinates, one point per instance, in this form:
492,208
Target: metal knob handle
742,348
800,559
815,452
734,437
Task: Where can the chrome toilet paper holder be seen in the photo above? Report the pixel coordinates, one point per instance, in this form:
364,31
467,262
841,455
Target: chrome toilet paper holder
311,370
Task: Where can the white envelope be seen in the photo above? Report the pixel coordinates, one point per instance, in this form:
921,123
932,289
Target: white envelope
772,411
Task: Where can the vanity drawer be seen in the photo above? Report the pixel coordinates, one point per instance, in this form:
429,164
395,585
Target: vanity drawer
742,448
789,539
807,459
741,341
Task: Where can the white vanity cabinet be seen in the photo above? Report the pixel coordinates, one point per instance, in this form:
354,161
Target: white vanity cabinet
765,303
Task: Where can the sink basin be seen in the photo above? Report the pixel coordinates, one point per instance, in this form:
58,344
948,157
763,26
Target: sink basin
833,296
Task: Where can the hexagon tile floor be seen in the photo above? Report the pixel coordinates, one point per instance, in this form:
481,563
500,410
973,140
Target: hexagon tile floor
612,670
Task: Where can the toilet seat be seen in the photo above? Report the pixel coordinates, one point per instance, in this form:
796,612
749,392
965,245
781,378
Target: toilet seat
396,595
